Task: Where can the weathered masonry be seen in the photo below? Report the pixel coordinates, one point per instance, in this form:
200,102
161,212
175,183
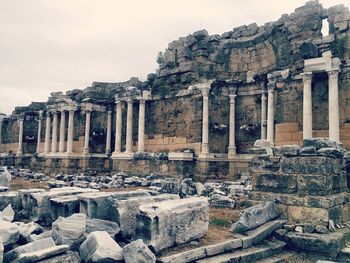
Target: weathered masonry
211,99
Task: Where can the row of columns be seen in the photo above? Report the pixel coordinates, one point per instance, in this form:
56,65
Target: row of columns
205,123
118,129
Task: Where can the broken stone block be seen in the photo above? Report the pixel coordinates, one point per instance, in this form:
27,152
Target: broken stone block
43,235
92,225
38,255
138,252
186,219
7,198
7,214
9,232
320,143
187,188
26,230
126,211
64,206
255,216
331,152
5,177
24,200
40,207
220,201
97,205
308,151
100,247
70,230
30,247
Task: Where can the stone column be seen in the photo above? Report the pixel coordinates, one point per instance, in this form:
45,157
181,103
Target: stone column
38,141
333,108
20,137
109,130
141,132
54,133
271,113
62,131
263,115
118,128
129,127
205,121
307,105
1,121
232,135
86,149
70,132
47,133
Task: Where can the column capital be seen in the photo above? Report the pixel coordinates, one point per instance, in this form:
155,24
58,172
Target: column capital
63,111
232,98
40,114
307,76
263,95
271,87
109,113
333,73
129,100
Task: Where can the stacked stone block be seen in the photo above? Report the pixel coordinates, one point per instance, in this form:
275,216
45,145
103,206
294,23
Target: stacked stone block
309,184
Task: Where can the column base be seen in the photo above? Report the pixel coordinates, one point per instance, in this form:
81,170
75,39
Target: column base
205,156
123,155
232,150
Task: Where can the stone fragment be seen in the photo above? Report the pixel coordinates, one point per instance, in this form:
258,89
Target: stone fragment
308,228
187,188
331,225
9,232
64,206
321,229
308,151
38,255
286,150
92,225
220,201
200,188
30,247
7,214
43,235
299,229
1,251
126,211
100,247
331,152
138,252
25,230
5,177
320,143
255,216
70,230
186,219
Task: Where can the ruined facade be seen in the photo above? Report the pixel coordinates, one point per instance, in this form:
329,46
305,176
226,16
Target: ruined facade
211,99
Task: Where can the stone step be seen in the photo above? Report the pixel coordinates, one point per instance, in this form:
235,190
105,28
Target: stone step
274,259
262,251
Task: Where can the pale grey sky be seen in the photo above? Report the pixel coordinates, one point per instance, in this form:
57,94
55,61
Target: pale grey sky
58,45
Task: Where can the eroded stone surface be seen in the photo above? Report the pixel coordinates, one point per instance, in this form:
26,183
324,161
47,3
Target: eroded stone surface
138,252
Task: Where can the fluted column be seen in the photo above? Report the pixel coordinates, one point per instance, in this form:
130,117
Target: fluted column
20,137
129,127
271,113
38,141
307,105
118,128
232,135
47,133
70,131
62,131
263,115
141,132
109,130
205,121
86,149
54,133
333,108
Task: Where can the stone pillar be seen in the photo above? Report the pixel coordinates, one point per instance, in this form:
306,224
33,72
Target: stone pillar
20,137
118,128
70,132
1,121
263,115
232,135
47,133
205,121
109,130
307,105
141,132
38,141
129,127
271,113
333,108
86,148
54,133
62,131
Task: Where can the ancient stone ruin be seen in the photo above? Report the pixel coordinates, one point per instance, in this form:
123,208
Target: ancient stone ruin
235,150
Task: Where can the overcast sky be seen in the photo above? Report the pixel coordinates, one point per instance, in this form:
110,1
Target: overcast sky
58,45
